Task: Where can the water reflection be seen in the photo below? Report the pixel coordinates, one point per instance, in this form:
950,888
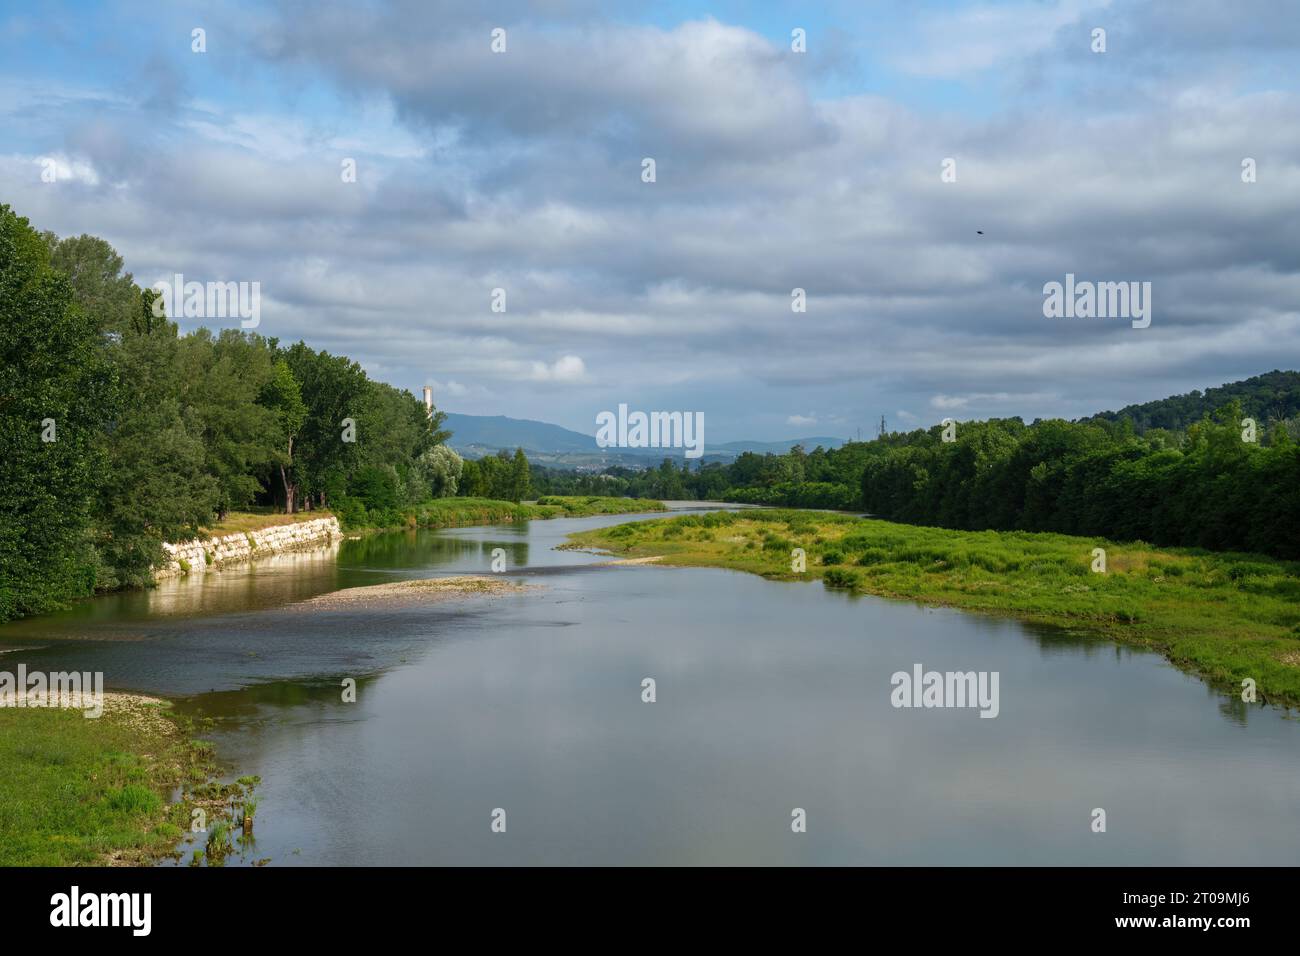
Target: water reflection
771,695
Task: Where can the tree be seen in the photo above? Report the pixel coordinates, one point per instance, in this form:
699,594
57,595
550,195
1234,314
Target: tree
223,380
153,487
438,471
331,388
107,294
54,392
151,483
521,485
283,396
393,430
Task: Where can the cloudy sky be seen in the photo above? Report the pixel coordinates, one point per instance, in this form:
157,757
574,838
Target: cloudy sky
774,170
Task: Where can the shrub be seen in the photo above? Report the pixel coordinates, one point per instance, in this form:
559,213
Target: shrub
840,578
774,542
1249,569
351,512
134,799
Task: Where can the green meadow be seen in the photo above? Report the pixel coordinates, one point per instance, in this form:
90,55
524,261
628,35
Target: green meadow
95,791
461,512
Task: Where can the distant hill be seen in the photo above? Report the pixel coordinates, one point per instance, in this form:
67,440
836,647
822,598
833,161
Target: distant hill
477,435
1273,395
498,431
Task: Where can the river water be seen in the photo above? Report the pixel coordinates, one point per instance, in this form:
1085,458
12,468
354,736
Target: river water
770,697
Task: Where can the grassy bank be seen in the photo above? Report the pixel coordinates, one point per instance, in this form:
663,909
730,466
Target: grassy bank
1227,616
93,791
581,506
444,513
461,512
255,519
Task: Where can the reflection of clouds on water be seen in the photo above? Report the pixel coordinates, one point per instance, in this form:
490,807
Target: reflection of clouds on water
770,695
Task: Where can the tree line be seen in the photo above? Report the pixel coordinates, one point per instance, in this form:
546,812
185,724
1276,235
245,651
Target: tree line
1207,486
1210,482
118,433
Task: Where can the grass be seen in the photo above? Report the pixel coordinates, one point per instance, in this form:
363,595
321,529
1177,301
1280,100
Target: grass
578,506
461,512
83,791
454,512
258,518
1226,616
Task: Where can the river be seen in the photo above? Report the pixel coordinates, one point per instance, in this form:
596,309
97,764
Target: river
770,697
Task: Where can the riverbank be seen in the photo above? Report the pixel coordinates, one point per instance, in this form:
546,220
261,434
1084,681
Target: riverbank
468,512
1226,616
246,536
239,547
80,791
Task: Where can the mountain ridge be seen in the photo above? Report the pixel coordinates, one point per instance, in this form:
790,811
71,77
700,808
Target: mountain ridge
477,435
1268,396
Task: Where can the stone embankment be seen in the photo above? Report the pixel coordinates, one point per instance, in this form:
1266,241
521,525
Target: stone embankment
204,554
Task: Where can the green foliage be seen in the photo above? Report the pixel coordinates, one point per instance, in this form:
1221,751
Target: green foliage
501,476
816,494
159,435
437,473
54,381
840,578
134,799
82,792
351,512
1271,397
224,378
154,486
1215,491
520,479
378,488
458,512
599,505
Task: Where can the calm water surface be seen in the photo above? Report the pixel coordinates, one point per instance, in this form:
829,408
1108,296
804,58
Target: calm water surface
771,696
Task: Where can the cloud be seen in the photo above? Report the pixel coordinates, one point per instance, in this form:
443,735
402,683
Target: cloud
702,86
63,168
453,388
801,420
950,43
567,368
522,171
993,399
